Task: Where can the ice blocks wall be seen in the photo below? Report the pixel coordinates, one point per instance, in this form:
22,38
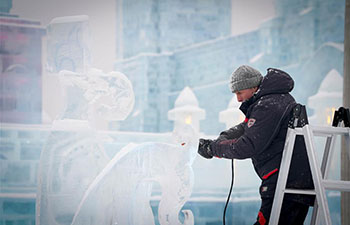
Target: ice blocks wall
162,26
305,39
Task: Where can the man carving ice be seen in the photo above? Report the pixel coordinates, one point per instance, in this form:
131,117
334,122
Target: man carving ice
267,105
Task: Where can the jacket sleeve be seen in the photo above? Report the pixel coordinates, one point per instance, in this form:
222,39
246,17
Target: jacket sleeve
232,133
261,128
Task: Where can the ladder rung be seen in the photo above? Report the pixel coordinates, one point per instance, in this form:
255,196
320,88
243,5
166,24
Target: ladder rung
300,191
319,130
338,185
325,131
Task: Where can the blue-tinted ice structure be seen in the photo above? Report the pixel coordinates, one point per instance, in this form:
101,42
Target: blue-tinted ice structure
70,160
68,44
121,193
73,156
96,95
80,184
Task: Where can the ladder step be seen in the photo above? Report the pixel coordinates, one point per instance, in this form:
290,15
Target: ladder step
325,131
338,185
300,191
318,130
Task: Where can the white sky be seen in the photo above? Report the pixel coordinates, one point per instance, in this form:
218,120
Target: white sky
246,16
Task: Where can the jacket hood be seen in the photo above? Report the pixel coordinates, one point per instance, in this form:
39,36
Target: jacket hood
275,82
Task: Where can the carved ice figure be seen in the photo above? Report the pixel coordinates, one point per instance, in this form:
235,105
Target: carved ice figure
68,44
121,193
73,155
97,95
78,184
69,162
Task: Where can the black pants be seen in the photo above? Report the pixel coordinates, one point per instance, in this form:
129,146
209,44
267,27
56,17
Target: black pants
292,213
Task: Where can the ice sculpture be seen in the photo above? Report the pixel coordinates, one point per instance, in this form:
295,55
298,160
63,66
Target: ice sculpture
121,193
97,95
73,155
68,44
78,183
78,187
69,162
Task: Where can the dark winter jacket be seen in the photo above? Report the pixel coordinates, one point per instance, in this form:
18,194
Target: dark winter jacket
261,137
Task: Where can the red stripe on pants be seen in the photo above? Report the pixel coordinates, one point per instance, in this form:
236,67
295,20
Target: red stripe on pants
262,219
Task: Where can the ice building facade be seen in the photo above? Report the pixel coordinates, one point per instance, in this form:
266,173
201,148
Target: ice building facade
21,104
150,32
21,68
305,38
147,25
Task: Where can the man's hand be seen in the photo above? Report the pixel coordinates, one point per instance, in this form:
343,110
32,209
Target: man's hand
204,148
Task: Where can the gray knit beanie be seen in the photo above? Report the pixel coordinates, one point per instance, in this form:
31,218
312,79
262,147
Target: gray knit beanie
245,77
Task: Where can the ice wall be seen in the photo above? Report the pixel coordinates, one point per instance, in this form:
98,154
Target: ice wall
328,99
164,26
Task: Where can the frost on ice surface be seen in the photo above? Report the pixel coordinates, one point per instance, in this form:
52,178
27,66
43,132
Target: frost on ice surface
305,11
256,57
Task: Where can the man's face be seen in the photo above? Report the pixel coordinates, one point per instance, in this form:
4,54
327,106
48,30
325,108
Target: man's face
245,94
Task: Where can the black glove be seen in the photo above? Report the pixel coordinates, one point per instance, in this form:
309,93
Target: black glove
204,148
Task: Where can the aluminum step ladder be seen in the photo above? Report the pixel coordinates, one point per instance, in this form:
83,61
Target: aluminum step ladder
298,125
